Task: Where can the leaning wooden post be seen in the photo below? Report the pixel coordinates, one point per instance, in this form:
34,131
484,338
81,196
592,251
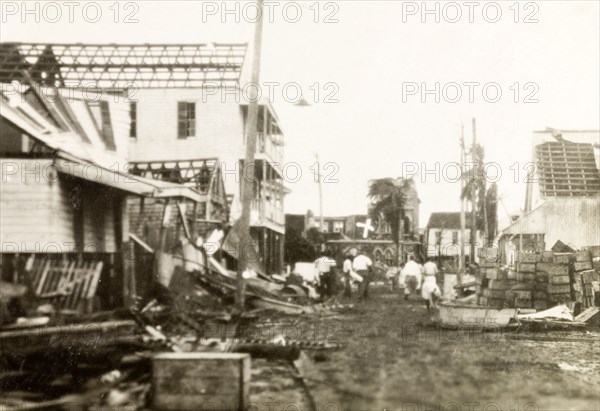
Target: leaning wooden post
247,182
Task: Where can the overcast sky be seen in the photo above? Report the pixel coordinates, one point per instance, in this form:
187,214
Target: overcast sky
370,51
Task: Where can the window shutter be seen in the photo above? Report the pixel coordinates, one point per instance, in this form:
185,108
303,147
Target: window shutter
181,120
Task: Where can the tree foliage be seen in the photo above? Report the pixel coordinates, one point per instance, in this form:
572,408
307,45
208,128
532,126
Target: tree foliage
389,197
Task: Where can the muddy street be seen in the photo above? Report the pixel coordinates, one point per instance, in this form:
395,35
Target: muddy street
394,358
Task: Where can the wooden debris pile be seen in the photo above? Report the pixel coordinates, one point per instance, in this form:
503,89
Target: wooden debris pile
540,281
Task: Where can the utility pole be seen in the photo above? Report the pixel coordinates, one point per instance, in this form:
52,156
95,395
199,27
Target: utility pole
461,262
248,182
320,182
474,193
321,220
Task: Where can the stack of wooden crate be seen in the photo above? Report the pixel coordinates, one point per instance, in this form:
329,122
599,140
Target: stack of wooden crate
540,281
492,283
558,278
586,279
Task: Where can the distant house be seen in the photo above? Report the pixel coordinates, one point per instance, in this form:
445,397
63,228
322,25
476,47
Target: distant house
442,236
562,196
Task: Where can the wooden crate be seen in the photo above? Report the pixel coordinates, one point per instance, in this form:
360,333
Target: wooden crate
523,303
560,279
559,288
525,277
529,257
582,256
526,267
582,265
523,294
198,381
493,294
547,256
554,269
562,258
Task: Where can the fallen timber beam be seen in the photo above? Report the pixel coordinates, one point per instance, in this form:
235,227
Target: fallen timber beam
89,334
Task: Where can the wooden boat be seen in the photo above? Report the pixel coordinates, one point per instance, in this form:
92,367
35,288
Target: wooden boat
454,314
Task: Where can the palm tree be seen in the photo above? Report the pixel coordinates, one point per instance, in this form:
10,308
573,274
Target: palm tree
482,198
388,197
475,191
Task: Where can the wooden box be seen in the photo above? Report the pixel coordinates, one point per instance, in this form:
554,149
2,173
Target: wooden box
526,267
523,294
582,265
559,288
547,256
562,258
523,303
525,277
560,279
582,256
493,294
198,381
553,269
560,298
529,257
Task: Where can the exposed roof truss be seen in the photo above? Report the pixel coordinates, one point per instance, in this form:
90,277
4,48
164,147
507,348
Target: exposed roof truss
567,169
123,66
199,173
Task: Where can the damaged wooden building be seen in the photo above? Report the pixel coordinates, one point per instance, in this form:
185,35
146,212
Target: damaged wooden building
562,202
65,186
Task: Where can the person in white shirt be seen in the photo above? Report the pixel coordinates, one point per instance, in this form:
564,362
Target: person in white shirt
411,276
323,266
347,269
362,266
430,290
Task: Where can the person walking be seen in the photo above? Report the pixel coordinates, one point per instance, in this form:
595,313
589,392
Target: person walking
363,267
392,276
323,266
430,290
411,277
347,270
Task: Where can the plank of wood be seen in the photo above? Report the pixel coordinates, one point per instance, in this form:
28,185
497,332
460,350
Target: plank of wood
42,278
68,283
184,222
74,285
94,282
587,314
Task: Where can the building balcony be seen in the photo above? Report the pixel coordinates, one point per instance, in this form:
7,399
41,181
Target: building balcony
268,214
270,148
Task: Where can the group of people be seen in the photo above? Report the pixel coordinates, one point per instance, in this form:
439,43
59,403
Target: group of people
357,268
415,277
